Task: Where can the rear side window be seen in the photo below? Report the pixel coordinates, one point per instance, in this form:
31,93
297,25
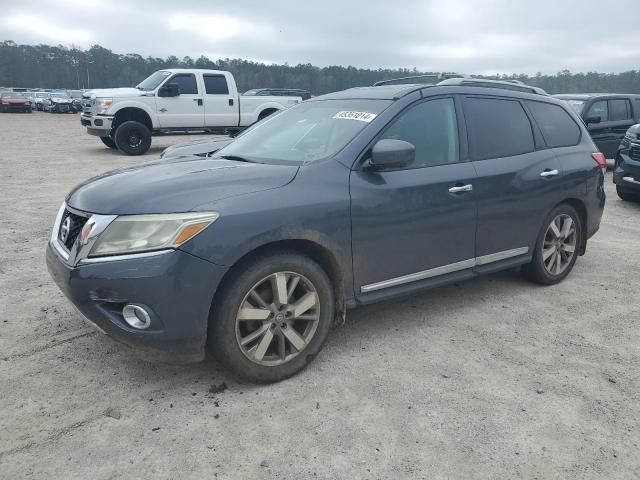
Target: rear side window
497,128
216,85
186,83
599,109
558,128
432,128
619,110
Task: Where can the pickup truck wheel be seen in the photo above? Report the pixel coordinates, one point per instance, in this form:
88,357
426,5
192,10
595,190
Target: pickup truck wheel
109,142
272,317
133,138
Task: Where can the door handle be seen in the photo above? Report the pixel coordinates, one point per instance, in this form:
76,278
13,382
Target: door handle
231,102
199,100
461,188
550,173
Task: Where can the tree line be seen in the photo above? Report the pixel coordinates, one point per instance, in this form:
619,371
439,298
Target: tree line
48,66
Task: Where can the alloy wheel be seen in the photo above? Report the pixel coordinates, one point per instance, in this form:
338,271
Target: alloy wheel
559,244
277,318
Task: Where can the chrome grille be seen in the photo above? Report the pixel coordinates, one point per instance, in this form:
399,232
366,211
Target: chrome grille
70,226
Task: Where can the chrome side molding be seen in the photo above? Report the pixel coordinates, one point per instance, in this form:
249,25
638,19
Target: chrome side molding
443,270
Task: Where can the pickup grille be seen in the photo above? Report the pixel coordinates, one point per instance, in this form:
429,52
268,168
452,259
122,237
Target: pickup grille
70,227
634,152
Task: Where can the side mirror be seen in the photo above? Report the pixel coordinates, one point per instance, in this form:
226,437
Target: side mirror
389,154
169,90
593,120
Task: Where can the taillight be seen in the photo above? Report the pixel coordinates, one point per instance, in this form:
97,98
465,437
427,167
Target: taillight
601,160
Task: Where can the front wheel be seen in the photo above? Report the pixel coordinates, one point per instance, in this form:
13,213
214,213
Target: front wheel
133,138
272,317
108,141
557,247
626,195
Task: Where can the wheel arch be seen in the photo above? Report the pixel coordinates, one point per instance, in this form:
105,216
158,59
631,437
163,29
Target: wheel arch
265,112
136,114
309,248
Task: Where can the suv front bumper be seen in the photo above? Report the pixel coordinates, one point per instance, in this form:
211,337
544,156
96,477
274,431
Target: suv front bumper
174,287
98,125
626,172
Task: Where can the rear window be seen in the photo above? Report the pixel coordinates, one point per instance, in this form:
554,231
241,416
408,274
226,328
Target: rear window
497,128
558,128
216,85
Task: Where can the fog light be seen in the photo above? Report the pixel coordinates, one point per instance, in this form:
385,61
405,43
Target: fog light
136,316
98,122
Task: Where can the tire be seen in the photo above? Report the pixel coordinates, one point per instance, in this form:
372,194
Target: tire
543,269
133,138
264,359
109,142
626,195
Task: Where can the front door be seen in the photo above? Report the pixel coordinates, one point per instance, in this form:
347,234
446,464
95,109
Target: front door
615,119
185,110
417,222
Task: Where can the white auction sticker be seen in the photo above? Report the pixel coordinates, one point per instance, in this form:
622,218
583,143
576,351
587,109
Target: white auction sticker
362,116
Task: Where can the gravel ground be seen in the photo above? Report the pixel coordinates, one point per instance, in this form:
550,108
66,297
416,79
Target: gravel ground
492,378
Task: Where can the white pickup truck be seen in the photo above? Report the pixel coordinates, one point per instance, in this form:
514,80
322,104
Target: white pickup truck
174,100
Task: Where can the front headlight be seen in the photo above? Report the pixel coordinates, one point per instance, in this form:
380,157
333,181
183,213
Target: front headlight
143,233
103,104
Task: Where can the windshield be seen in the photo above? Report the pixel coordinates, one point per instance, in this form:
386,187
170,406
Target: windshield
42,95
152,81
306,132
11,95
577,105
60,95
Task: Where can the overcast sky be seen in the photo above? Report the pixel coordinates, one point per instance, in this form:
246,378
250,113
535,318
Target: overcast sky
467,36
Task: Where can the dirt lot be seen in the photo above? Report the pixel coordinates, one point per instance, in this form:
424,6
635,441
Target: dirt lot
492,378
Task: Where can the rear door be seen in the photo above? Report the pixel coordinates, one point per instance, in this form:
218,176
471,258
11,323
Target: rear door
186,109
408,224
220,108
519,179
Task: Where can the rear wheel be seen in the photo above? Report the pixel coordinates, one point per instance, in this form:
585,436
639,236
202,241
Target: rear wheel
557,247
109,142
272,318
133,138
627,195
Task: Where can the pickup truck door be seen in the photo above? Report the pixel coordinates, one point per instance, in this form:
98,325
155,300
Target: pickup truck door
221,107
185,110
615,118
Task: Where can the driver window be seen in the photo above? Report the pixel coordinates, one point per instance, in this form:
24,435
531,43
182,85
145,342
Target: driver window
432,128
599,109
186,83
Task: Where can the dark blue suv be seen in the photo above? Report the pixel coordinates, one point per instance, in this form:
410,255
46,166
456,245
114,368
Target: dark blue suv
346,199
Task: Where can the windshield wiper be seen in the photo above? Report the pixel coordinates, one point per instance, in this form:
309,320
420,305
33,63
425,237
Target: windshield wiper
237,158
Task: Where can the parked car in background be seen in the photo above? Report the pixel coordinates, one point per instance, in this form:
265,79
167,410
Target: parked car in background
607,115
31,97
626,170
345,199
14,102
76,100
174,100
279,92
58,102
39,99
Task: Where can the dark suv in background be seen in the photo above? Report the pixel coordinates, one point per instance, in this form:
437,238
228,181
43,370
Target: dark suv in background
345,199
626,172
608,116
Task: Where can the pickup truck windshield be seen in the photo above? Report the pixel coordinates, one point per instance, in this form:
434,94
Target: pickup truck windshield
307,132
152,81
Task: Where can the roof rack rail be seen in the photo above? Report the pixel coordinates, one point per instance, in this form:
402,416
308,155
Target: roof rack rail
515,85
435,76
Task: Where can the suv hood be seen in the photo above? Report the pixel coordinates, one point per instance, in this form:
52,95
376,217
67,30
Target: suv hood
115,92
200,147
175,186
